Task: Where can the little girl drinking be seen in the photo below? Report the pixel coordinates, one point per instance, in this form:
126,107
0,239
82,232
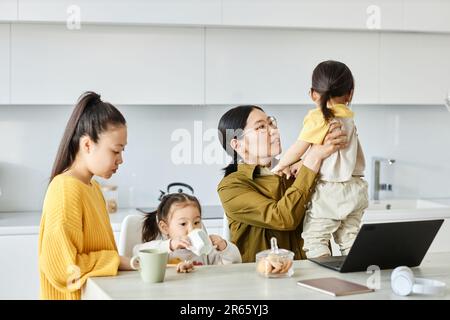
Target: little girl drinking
168,227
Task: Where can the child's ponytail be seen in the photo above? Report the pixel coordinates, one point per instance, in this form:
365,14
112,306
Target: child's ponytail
150,229
327,112
90,117
331,79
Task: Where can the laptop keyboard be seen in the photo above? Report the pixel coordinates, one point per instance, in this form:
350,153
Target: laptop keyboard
333,262
330,260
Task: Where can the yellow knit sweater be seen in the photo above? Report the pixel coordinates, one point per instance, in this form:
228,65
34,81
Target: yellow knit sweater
75,239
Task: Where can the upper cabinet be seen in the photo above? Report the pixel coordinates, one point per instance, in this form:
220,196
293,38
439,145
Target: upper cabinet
8,10
275,66
196,12
429,16
4,63
127,65
385,15
348,14
264,62
414,68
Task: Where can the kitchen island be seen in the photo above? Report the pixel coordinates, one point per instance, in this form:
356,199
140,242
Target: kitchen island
241,282
19,237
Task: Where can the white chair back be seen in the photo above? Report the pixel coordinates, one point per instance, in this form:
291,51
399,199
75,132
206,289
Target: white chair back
130,234
226,228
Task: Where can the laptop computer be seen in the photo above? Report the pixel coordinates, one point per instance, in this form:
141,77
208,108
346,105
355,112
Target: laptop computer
387,245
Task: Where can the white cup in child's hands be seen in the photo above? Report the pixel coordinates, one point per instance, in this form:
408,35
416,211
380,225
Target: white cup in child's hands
200,242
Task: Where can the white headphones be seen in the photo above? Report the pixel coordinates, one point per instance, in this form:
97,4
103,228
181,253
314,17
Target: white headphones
403,283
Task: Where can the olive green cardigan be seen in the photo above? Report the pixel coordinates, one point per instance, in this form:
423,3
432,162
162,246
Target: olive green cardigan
260,206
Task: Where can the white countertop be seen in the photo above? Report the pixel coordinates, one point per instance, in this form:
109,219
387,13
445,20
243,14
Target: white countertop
405,215
15,223
12,223
27,222
240,281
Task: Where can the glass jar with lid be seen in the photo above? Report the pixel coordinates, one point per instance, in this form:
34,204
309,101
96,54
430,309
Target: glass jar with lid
275,263
111,195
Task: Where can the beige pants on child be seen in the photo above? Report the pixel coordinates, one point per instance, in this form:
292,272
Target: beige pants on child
336,209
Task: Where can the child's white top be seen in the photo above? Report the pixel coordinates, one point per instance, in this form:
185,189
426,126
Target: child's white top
343,164
229,255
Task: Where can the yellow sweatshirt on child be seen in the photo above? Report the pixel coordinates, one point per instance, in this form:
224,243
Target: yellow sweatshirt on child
76,240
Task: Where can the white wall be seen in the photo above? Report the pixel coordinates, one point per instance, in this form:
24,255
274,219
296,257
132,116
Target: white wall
223,67
417,137
4,62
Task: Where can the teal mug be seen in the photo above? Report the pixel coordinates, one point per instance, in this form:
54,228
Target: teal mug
152,264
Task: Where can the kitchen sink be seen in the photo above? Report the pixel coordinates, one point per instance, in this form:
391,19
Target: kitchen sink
406,209
404,204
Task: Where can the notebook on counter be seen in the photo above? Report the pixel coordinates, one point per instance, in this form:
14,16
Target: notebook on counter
334,286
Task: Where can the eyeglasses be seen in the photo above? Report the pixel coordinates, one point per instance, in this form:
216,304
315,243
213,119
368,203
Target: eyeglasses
262,127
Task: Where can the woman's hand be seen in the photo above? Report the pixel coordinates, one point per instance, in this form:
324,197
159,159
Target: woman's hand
336,136
336,139
218,242
295,168
278,170
180,243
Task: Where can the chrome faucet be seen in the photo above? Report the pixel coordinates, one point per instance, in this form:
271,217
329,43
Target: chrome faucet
447,101
376,185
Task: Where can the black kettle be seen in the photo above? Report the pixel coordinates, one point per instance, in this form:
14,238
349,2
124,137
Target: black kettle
181,189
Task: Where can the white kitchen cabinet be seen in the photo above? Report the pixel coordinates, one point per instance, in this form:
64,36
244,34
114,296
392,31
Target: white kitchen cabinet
399,15
126,65
214,231
19,276
213,226
275,66
8,10
196,12
441,242
414,68
348,14
429,15
4,63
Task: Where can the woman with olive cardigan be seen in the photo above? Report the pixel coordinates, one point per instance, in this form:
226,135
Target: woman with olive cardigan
259,204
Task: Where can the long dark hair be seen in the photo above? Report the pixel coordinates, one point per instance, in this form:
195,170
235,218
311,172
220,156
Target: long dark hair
232,122
150,229
331,79
90,117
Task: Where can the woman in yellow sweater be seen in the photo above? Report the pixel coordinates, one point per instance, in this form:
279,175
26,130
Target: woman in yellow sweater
76,240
